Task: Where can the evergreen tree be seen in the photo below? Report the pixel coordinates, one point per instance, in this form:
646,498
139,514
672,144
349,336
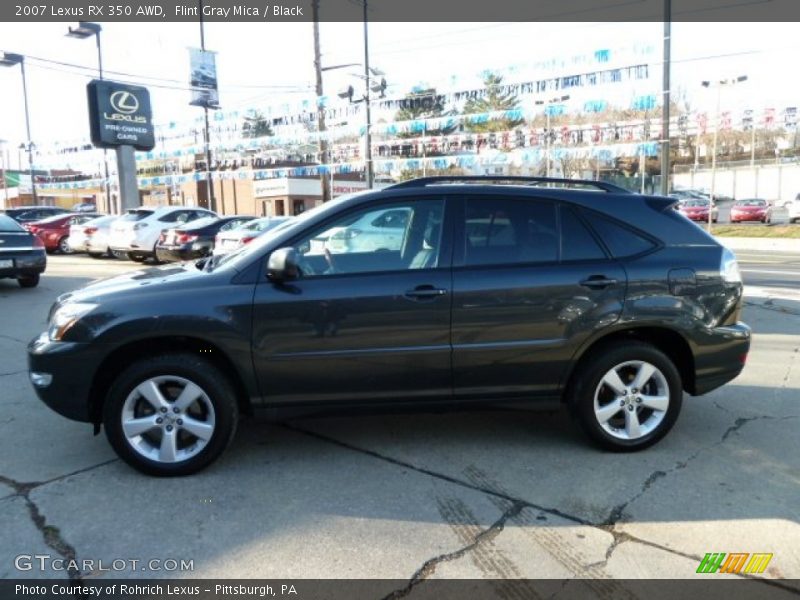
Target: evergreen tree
495,99
256,125
424,104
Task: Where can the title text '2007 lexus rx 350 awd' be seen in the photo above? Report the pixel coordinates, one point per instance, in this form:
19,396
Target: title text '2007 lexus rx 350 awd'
496,291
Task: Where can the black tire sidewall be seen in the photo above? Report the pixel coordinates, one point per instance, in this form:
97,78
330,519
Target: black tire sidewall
199,371
28,281
581,398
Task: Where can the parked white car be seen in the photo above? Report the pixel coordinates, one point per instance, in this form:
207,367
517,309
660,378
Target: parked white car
135,234
78,236
92,236
794,209
375,231
233,239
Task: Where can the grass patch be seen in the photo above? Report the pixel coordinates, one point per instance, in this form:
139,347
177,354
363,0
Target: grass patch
757,231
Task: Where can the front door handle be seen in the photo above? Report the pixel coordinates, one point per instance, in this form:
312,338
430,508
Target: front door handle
598,282
425,292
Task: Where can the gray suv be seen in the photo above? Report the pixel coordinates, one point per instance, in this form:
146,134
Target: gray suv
498,291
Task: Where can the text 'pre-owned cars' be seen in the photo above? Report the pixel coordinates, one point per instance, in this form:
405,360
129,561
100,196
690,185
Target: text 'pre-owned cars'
481,290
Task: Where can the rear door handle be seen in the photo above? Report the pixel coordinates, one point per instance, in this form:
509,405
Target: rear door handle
424,292
598,282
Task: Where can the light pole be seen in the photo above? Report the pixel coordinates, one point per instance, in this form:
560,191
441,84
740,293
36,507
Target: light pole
719,85
212,201
547,111
8,59
83,31
375,86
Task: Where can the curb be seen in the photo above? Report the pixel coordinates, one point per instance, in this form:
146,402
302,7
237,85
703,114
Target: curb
761,244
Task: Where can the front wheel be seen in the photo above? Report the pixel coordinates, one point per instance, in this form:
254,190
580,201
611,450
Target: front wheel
63,245
626,398
170,415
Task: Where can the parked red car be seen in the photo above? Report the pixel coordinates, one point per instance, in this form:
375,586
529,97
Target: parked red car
696,209
751,209
54,231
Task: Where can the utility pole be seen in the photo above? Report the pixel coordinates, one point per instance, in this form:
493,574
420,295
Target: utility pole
665,159
212,202
323,142
368,136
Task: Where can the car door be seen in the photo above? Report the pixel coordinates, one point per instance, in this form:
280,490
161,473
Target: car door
530,283
360,325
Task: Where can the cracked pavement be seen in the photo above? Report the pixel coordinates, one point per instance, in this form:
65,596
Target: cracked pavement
496,495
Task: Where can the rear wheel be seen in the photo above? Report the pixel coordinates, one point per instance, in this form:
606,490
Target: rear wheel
627,397
170,415
28,281
63,245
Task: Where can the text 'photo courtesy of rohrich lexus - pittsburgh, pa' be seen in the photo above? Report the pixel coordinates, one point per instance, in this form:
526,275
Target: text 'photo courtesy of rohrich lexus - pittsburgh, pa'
471,291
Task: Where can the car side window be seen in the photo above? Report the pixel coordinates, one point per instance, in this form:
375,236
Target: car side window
502,231
577,242
619,239
346,246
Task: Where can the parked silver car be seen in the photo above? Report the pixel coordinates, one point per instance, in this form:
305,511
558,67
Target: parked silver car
228,241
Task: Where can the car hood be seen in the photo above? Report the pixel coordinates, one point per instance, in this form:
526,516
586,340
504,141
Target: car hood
143,281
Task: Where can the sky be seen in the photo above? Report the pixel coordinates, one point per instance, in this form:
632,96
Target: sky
269,64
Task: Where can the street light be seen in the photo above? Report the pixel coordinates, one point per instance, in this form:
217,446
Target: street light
549,103
719,85
7,59
375,85
83,31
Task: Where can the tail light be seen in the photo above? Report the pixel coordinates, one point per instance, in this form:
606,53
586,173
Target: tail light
37,242
729,267
32,228
185,238
248,239
89,230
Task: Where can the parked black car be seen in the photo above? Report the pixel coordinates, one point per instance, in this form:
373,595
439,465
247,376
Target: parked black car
28,214
22,254
501,291
194,240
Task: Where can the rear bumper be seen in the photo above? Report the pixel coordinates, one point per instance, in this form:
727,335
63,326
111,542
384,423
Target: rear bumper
69,367
179,253
720,357
24,264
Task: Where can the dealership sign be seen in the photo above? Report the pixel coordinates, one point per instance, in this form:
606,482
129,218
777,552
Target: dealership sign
120,115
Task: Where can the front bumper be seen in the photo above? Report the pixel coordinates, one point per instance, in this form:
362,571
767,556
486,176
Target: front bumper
71,369
720,356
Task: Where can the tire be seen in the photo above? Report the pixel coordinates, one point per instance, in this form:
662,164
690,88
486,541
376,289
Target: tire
28,281
63,245
135,257
213,410
589,395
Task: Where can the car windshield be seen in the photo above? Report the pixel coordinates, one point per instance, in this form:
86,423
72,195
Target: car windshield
752,202
136,215
202,222
9,225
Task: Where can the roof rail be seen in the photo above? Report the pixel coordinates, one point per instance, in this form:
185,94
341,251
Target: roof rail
425,181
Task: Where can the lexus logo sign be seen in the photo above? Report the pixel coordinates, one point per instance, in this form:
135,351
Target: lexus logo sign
124,102
120,115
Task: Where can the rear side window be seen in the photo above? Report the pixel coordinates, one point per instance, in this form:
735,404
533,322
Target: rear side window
620,240
9,225
577,242
501,231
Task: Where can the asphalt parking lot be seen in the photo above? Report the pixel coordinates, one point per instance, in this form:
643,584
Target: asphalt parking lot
484,495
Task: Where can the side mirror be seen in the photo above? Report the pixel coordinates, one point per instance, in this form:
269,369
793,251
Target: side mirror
282,265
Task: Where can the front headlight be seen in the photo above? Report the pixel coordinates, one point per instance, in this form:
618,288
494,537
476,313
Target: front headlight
729,267
66,316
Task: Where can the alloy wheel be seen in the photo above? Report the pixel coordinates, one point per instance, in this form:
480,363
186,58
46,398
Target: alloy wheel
168,419
631,400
